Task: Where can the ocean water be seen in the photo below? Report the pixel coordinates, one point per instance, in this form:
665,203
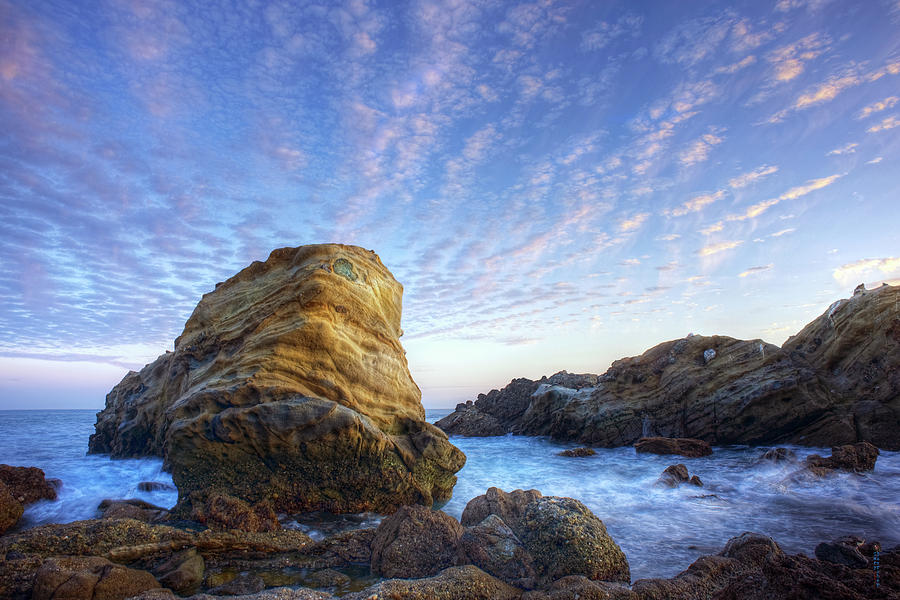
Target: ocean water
662,530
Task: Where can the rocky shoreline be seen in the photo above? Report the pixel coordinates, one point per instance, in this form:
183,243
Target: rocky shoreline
836,382
288,396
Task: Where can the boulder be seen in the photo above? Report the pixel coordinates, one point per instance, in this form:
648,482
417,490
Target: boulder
455,583
415,542
493,547
222,512
856,458
27,484
578,452
565,538
88,578
181,572
242,584
11,509
510,507
132,508
778,455
288,385
688,447
844,551
673,475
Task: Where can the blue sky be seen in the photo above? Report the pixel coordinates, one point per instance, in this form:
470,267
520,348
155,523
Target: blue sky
556,184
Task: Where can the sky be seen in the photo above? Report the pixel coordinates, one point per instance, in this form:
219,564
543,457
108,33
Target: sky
557,184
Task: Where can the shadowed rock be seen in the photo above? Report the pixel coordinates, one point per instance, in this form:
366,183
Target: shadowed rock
10,509
132,508
288,385
493,547
578,452
684,446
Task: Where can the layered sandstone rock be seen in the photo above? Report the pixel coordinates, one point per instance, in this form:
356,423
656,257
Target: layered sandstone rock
837,382
288,385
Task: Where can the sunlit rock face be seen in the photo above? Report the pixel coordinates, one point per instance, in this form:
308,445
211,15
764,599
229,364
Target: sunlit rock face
855,344
836,382
289,384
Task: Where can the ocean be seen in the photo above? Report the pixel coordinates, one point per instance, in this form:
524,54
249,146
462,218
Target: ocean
661,530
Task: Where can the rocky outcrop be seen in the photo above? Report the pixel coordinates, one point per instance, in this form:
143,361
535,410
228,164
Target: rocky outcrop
27,484
855,346
416,542
683,446
836,382
288,385
10,509
675,475
856,458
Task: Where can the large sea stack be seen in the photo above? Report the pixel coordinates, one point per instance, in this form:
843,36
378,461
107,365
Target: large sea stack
836,382
288,386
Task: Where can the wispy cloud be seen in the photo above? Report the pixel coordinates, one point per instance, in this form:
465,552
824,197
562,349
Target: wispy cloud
879,106
845,149
792,194
633,223
783,232
719,247
756,270
884,125
747,178
698,151
696,204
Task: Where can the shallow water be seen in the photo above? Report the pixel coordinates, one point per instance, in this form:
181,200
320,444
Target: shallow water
661,530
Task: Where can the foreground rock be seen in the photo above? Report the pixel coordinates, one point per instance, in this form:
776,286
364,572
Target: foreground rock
689,447
753,567
27,484
456,583
416,542
288,386
10,509
836,382
856,458
88,578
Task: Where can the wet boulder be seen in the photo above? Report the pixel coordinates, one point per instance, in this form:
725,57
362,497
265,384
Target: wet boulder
689,447
674,475
566,538
493,547
857,458
416,542
510,507
27,484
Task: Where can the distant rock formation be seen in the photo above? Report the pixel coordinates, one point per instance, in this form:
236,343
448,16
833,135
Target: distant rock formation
836,382
288,386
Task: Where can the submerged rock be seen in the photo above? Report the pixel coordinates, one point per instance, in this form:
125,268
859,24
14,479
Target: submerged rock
778,455
836,382
288,385
856,458
684,446
578,452
673,475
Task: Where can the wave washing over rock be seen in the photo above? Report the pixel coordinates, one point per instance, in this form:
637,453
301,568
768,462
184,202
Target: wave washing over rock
288,390
836,382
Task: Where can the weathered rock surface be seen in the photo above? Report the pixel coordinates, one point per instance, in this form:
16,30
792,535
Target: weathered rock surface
582,588
10,509
88,578
222,512
753,567
456,583
836,382
288,385
689,447
857,458
416,542
855,345
566,538
132,508
844,551
493,547
510,507
27,484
